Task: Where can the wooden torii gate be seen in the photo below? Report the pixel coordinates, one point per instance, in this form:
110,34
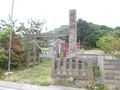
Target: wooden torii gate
45,40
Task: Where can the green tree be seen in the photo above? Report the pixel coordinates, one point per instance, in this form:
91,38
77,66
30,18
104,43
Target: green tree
35,27
104,27
89,33
82,30
7,23
16,48
115,33
61,29
85,33
109,44
96,33
117,28
4,37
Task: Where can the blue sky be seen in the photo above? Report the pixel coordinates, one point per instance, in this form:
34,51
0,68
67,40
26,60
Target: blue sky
103,12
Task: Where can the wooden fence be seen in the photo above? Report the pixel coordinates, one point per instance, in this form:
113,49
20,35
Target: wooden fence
32,59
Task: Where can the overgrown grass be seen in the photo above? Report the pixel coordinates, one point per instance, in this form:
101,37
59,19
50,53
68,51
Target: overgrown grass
97,51
94,51
98,87
1,74
38,75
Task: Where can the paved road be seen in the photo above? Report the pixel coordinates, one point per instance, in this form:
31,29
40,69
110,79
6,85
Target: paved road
16,86
45,88
3,88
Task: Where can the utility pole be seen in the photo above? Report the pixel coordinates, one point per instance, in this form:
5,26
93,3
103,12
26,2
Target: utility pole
54,25
10,41
54,30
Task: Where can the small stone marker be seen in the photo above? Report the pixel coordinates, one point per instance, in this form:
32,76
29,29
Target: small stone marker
8,73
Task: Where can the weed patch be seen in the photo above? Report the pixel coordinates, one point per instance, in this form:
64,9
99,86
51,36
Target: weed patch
38,75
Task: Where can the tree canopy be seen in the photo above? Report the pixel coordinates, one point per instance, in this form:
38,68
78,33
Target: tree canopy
35,27
89,33
109,44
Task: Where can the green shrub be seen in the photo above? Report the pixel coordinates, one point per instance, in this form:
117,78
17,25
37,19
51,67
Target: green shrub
16,56
96,70
102,87
98,87
70,79
3,58
1,74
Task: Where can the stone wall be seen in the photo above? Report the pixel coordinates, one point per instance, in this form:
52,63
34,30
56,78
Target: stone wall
110,71
86,56
72,72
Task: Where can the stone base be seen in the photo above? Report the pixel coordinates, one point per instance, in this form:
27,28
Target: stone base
112,87
67,83
8,73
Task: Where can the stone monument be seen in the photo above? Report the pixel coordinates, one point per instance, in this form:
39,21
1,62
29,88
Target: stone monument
72,33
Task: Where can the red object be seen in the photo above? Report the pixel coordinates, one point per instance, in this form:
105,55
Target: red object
65,47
